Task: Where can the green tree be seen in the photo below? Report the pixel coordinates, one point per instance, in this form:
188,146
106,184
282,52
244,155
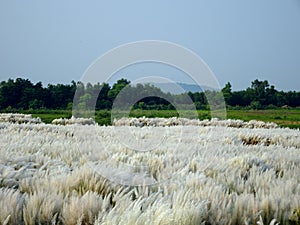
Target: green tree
260,91
103,101
116,88
227,93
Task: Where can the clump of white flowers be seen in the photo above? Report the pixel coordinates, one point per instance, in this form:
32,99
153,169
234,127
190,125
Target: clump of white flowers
18,118
74,120
174,121
53,174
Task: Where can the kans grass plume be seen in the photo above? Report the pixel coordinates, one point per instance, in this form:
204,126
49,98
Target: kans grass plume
212,174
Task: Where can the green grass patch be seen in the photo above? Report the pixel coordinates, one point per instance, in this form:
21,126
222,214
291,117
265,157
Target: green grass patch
283,117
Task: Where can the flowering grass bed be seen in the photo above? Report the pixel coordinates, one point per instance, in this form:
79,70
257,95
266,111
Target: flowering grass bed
18,118
283,117
79,174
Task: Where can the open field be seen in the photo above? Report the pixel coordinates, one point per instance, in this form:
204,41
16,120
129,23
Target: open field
190,175
283,117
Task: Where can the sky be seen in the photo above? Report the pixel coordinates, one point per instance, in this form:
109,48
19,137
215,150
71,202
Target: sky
56,41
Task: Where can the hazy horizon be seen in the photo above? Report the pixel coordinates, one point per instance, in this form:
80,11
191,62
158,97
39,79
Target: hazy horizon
55,42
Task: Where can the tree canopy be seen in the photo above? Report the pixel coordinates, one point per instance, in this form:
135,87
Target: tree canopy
23,94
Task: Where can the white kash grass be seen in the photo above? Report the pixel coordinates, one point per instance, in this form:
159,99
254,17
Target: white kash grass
209,175
18,118
174,121
74,120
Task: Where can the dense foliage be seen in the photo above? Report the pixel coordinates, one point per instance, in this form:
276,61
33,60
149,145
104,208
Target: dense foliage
261,95
23,94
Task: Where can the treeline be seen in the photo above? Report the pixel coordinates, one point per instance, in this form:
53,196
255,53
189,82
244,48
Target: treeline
260,95
22,94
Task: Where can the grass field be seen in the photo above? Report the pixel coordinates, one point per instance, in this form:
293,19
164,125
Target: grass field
283,117
123,175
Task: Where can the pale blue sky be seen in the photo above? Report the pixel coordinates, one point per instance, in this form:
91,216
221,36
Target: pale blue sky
55,41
